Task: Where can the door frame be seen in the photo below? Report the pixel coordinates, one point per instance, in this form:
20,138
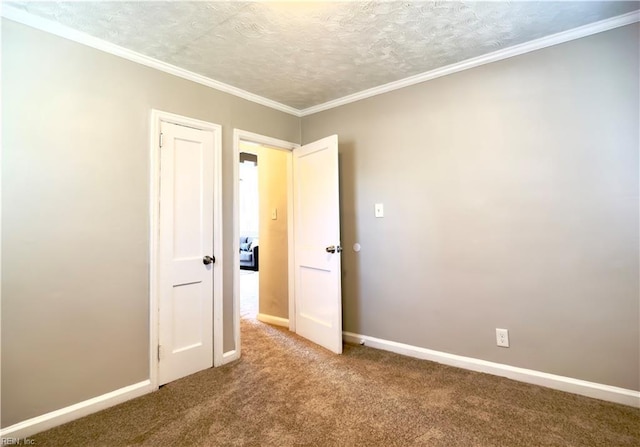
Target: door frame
254,138
158,117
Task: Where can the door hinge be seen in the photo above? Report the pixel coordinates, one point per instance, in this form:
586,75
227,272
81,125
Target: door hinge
160,139
159,352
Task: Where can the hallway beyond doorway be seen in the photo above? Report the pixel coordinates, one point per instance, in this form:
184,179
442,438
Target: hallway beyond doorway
249,281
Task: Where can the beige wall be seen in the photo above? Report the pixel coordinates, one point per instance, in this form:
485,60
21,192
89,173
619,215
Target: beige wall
272,183
511,201
75,201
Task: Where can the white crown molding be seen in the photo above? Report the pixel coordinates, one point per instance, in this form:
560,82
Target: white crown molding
49,26
505,53
25,18
567,384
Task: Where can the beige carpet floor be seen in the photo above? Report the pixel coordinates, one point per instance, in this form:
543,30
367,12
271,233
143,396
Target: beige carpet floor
285,391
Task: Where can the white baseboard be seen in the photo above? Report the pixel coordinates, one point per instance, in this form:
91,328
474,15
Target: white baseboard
562,383
49,420
278,321
230,356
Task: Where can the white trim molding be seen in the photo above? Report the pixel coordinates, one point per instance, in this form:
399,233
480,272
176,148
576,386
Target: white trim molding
72,412
556,382
55,28
230,356
276,321
25,18
504,53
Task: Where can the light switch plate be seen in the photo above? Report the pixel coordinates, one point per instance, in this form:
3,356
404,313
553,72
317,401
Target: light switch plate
379,210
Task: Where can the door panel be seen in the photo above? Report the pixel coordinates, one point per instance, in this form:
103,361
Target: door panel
186,236
317,282
187,301
188,191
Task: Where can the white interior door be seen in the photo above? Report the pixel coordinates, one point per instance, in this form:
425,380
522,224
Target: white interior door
185,242
317,282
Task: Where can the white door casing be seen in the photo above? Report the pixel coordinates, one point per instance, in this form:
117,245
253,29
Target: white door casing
317,273
186,236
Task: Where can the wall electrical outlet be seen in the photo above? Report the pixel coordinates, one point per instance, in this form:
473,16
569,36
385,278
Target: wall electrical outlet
502,337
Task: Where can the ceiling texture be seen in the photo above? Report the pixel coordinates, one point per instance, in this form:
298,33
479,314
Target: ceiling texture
302,54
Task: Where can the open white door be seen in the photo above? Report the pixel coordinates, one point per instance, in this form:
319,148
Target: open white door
317,282
185,252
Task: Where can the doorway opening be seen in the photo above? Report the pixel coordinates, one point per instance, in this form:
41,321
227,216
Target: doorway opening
271,285
264,219
249,201
313,273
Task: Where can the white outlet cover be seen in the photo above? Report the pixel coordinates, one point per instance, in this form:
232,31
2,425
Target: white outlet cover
379,210
502,337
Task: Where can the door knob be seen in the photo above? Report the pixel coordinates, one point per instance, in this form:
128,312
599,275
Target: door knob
333,249
208,260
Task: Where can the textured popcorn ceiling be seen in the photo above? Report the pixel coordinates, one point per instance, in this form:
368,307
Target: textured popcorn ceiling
306,53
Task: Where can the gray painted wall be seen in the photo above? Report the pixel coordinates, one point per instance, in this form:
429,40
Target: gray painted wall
510,191
511,201
75,187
